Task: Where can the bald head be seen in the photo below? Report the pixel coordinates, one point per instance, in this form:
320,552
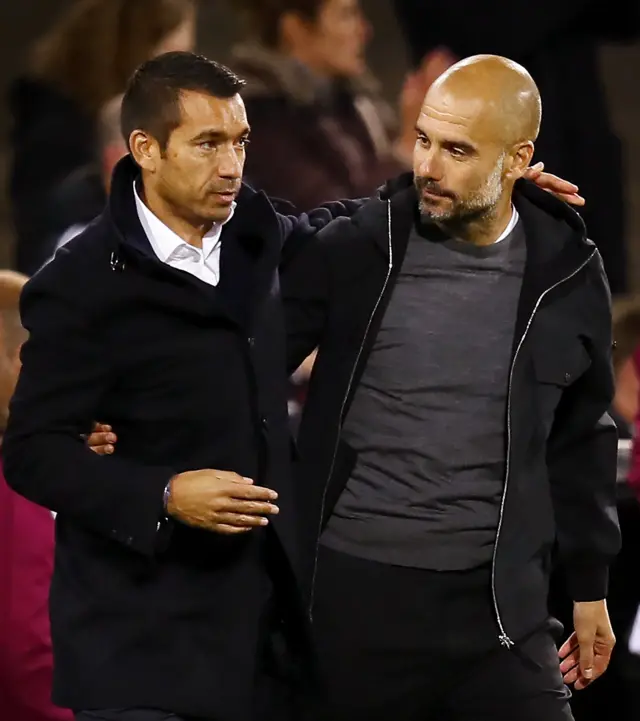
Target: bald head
497,94
475,131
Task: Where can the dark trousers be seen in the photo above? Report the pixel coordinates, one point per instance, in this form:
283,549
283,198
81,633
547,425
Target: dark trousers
275,701
414,645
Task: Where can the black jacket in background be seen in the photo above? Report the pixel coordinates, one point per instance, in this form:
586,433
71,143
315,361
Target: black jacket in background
147,612
558,43
561,463
51,138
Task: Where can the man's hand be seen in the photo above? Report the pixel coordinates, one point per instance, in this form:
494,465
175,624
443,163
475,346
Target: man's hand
562,189
587,652
102,439
220,501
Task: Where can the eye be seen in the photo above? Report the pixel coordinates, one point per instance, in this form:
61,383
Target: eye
422,139
243,142
207,145
457,152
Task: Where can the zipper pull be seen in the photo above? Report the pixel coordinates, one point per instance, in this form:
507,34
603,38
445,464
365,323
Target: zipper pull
505,641
116,263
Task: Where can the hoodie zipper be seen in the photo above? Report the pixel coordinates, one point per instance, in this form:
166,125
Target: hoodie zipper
344,402
504,639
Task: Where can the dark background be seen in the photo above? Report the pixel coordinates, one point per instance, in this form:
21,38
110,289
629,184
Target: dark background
22,20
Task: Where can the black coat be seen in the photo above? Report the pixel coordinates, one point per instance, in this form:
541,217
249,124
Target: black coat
147,612
562,446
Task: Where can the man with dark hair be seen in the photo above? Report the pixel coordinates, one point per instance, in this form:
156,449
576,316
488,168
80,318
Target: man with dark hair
175,591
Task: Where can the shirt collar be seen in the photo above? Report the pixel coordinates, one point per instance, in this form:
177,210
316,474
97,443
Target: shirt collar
164,241
515,217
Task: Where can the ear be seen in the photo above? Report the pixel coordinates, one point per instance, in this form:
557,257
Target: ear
145,150
519,160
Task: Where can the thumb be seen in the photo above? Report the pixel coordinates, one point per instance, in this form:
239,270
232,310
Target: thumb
586,641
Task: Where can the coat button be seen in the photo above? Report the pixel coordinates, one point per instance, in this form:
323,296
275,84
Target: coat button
252,341
567,377
264,423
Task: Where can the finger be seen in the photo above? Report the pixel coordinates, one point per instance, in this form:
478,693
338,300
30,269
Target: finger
101,439
240,520
102,427
534,172
102,450
251,493
559,185
570,662
581,684
252,508
571,198
570,645
229,530
586,656
571,676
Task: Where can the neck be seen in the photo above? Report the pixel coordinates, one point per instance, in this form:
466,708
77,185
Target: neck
484,228
190,229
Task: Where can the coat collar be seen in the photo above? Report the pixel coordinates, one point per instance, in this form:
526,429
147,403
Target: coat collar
254,219
250,253
556,234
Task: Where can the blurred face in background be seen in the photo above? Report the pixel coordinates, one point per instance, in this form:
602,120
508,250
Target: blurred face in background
182,39
197,176
332,45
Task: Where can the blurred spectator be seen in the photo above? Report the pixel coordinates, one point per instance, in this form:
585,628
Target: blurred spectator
77,67
558,43
26,558
320,129
83,194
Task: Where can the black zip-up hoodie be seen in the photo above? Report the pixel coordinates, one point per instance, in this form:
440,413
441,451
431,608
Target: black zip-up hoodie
559,491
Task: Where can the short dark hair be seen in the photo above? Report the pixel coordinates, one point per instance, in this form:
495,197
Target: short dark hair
152,99
263,17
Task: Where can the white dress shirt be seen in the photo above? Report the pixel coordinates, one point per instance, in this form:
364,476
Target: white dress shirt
171,249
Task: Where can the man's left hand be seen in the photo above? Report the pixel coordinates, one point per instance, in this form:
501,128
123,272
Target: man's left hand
562,189
587,652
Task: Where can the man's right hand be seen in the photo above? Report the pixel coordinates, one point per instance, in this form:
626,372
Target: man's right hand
220,501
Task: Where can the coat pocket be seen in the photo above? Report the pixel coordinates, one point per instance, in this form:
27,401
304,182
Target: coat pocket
562,366
556,370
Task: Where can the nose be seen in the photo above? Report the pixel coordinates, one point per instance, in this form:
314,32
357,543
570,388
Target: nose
430,166
230,163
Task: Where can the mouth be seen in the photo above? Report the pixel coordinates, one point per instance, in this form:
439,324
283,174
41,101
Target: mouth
430,195
226,197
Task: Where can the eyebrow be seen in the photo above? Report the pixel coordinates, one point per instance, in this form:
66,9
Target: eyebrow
212,134
463,145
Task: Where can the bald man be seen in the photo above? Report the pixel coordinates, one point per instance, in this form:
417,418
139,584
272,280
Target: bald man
455,441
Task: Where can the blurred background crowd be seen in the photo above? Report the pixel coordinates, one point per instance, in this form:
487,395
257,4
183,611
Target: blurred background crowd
333,91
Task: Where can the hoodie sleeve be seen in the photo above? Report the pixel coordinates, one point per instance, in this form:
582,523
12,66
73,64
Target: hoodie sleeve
582,462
